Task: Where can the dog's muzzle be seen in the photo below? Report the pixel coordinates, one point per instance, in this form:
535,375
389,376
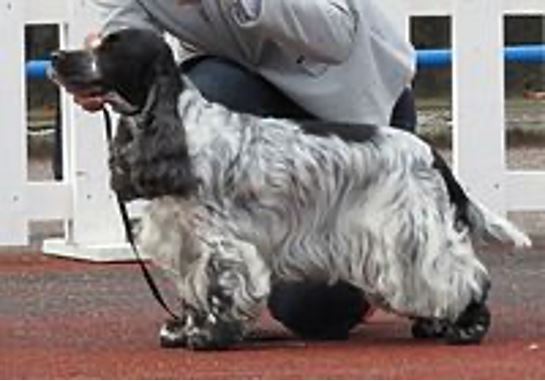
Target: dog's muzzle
77,71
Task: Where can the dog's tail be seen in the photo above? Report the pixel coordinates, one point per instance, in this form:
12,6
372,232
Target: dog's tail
489,226
483,224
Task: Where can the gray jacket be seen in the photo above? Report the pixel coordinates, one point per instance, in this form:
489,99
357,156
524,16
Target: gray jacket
342,60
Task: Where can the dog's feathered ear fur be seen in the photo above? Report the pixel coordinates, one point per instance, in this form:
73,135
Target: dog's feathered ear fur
166,86
158,156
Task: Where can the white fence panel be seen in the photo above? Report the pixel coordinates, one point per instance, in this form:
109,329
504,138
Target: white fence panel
429,8
524,190
83,200
523,7
95,230
50,11
478,99
13,172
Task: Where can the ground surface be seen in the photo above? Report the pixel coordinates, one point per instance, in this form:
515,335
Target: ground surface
66,319
71,320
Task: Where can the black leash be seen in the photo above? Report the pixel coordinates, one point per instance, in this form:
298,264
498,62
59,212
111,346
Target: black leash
129,234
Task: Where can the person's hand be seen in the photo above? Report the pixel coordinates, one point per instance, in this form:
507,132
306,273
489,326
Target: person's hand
91,103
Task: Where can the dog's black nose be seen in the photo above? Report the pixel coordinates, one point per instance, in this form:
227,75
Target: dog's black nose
57,57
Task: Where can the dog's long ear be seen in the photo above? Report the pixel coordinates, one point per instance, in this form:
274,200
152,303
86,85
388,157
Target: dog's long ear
163,166
167,84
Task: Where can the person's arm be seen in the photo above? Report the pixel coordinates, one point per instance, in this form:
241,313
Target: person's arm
120,14
321,29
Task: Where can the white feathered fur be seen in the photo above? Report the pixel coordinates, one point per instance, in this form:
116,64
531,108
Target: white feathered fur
275,202
261,200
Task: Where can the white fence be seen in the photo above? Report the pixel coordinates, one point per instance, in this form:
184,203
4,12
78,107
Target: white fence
83,200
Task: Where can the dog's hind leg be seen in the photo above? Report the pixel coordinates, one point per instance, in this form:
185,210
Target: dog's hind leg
466,318
470,327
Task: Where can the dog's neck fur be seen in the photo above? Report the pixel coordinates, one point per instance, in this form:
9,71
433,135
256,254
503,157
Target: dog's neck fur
204,121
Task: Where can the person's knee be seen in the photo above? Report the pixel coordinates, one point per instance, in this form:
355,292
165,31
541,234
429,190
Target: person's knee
225,82
317,310
404,114
216,79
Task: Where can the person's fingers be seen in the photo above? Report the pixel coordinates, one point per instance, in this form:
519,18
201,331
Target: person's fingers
88,103
92,40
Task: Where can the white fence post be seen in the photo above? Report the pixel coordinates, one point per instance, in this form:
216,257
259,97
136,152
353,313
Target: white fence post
478,99
95,231
13,169
84,200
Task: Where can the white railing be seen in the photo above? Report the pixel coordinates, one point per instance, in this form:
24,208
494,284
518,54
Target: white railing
83,200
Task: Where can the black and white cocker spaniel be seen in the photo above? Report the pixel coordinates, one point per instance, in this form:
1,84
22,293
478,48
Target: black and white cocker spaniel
240,202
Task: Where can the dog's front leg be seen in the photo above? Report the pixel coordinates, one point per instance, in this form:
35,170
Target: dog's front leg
202,330
236,281
224,285
222,279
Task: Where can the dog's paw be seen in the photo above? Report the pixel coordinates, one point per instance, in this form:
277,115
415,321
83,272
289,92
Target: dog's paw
215,334
471,326
172,334
428,329
203,340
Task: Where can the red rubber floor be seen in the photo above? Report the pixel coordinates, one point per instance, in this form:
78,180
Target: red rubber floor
67,319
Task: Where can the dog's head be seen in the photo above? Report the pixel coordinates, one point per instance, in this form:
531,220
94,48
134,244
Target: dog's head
124,68
134,70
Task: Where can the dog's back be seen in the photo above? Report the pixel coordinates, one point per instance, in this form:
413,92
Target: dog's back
307,186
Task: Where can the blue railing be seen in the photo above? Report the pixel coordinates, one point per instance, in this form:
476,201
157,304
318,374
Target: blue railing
427,59
37,69
436,58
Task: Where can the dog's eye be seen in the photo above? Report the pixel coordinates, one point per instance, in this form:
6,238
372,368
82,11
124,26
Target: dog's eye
109,42
111,38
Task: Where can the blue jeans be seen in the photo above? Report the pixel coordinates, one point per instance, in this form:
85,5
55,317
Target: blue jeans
312,310
225,82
